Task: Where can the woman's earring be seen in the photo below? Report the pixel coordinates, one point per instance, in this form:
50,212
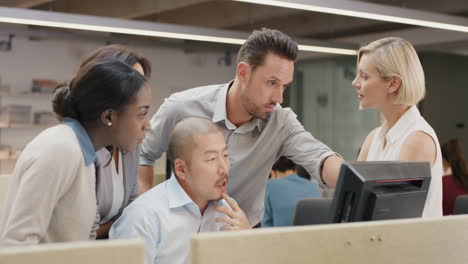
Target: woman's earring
109,124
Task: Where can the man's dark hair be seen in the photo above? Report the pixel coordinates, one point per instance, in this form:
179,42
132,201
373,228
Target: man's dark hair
264,41
283,164
302,172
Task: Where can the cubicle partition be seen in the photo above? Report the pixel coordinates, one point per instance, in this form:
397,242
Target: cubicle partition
98,252
409,241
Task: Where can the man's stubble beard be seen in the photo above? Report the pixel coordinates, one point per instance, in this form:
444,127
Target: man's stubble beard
250,107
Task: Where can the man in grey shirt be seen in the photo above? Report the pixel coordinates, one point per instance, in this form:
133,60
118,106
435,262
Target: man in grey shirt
257,129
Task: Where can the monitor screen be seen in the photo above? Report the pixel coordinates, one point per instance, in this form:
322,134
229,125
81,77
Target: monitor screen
380,190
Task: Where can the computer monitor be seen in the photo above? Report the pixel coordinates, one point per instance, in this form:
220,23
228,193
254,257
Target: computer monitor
380,190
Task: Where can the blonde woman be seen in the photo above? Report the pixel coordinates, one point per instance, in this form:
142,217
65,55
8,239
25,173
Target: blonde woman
390,79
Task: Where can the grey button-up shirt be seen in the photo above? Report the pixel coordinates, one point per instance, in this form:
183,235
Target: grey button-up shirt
253,147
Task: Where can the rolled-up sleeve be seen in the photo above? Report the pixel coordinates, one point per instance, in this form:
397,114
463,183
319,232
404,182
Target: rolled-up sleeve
302,148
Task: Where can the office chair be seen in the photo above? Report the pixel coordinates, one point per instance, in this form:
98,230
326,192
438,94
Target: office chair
312,211
461,205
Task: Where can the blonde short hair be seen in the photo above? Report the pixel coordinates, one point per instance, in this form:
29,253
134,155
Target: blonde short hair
396,57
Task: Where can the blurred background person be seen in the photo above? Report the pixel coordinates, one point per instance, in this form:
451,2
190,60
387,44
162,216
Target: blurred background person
283,191
455,182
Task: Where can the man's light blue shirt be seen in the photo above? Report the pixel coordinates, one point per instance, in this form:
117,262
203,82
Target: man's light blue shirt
281,197
165,217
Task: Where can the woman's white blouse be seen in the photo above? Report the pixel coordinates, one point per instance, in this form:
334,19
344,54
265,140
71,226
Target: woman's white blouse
410,122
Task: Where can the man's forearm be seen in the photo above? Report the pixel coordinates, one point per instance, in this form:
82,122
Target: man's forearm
145,178
331,170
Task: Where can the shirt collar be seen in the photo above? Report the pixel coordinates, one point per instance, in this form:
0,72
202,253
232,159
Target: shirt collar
220,108
261,124
405,121
220,113
176,194
87,147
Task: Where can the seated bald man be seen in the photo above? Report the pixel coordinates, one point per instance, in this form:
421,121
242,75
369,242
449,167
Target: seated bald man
195,200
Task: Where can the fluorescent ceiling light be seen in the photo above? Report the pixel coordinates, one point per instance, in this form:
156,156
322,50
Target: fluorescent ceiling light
121,30
131,27
327,50
372,11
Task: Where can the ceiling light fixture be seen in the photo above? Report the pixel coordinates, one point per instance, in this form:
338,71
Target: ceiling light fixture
373,11
131,27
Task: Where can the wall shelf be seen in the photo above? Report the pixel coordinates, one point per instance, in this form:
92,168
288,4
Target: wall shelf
16,135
